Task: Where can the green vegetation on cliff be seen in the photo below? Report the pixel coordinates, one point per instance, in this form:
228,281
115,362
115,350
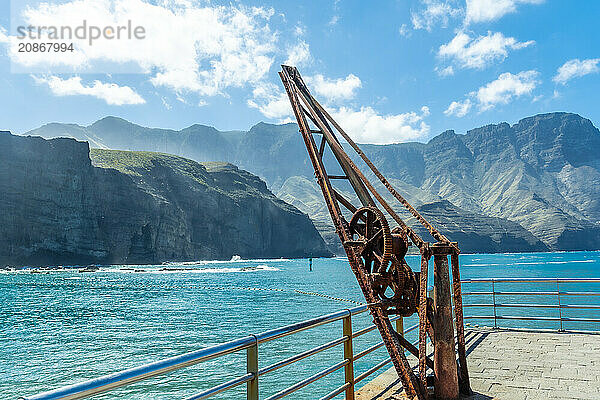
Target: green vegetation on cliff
541,174
59,206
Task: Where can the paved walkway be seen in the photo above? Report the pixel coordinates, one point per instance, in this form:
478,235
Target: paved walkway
518,365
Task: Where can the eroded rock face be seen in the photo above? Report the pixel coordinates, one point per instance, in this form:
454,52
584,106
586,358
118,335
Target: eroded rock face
542,173
59,207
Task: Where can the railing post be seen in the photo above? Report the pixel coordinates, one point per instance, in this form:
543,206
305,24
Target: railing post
559,305
494,302
444,356
348,355
252,368
400,326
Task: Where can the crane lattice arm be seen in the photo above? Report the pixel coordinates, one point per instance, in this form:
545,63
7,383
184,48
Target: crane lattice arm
376,255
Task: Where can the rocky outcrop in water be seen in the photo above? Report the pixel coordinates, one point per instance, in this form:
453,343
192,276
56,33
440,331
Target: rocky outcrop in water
59,206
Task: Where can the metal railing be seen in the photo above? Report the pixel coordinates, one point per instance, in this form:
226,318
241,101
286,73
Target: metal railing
550,299
251,377
555,299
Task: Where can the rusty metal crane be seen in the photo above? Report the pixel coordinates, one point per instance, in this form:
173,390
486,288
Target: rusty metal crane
376,255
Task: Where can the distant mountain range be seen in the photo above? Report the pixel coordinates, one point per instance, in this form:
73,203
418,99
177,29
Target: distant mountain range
531,186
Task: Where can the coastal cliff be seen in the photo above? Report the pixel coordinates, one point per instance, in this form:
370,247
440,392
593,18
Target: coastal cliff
62,204
541,174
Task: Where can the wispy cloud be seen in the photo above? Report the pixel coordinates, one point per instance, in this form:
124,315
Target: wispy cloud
459,108
479,52
447,71
576,68
3,37
506,87
271,102
436,13
366,125
404,31
500,91
299,54
334,89
111,93
491,10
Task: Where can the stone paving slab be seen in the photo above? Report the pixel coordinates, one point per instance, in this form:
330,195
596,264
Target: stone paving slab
518,365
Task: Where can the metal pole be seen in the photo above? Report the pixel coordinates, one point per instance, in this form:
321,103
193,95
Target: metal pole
400,326
494,302
423,323
465,386
559,306
446,374
252,368
349,355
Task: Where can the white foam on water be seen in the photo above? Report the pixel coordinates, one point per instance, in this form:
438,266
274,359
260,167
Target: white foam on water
233,260
553,262
187,270
480,265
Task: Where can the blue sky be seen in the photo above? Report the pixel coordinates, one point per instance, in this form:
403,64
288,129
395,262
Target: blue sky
391,71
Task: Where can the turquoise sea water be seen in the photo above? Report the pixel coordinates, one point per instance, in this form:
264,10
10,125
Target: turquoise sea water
64,326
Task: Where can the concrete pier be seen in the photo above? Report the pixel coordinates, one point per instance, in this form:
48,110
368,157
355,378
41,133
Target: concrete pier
518,365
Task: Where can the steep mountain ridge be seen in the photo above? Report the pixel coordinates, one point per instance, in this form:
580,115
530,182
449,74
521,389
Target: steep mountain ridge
542,172
61,203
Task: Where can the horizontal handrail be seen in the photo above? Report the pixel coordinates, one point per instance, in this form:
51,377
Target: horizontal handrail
524,318
566,306
143,372
129,376
222,387
372,370
310,323
534,280
532,293
555,294
109,382
335,392
303,355
368,350
308,381
249,343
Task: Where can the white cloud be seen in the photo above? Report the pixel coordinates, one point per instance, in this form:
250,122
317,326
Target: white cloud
368,126
479,52
491,10
298,54
404,31
189,46
576,68
271,102
507,86
334,20
459,109
3,37
448,71
435,13
334,89
166,103
365,125
111,93
499,91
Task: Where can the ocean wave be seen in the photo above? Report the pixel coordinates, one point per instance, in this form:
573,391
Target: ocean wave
184,270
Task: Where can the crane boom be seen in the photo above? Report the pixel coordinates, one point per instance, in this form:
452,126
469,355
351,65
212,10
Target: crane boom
376,255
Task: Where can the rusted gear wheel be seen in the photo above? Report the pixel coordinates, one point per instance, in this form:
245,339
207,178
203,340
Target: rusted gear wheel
369,227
